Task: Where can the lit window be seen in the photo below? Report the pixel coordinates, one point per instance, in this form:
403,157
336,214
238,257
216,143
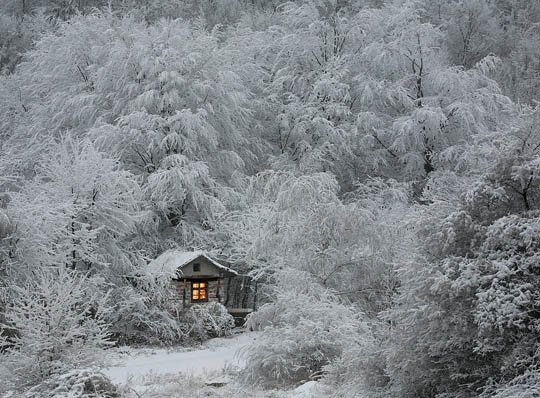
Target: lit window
199,291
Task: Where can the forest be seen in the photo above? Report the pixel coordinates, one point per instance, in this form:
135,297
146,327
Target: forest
373,164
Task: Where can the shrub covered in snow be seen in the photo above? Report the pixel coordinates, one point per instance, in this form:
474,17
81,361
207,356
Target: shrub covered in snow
526,385
361,368
77,383
204,321
143,314
58,324
304,330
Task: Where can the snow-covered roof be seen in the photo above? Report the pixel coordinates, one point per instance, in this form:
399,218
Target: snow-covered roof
170,261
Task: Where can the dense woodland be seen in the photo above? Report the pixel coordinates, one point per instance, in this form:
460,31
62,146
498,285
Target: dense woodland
374,163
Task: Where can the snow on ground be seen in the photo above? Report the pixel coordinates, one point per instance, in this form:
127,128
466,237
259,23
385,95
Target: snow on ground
206,371
306,390
214,356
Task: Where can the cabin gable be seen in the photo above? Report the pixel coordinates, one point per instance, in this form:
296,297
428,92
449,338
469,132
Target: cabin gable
199,268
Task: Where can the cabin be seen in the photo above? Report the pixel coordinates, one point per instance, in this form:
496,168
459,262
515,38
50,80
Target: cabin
197,278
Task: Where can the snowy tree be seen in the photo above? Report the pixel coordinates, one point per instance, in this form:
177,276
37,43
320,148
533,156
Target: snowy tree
308,83
417,111
76,211
519,75
305,329
82,212
475,29
17,36
59,325
472,29
473,293
142,310
344,245
164,103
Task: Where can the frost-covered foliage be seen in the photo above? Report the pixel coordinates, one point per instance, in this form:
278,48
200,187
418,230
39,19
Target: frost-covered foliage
92,206
208,320
347,244
146,315
361,370
92,213
6,226
415,106
525,385
473,295
474,29
17,36
309,88
305,329
161,99
84,383
58,324
142,311
377,151
329,262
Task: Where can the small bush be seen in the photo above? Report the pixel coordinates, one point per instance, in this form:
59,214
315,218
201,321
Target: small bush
204,321
143,315
526,385
77,383
302,333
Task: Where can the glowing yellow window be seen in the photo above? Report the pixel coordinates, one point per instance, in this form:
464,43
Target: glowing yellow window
199,291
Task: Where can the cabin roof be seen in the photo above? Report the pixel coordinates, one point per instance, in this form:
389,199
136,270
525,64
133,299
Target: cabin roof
171,261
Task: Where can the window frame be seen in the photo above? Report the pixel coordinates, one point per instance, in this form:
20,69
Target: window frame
199,289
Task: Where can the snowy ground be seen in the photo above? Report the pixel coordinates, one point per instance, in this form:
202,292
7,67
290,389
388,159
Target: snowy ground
202,372
215,356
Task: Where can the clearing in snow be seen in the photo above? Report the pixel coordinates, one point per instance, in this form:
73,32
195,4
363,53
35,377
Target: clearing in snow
180,372
215,355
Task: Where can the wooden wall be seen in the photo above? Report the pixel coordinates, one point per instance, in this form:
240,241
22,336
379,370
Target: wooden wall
183,290
234,293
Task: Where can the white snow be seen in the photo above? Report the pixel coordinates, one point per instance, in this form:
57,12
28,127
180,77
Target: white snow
307,390
159,373
216,355
170,261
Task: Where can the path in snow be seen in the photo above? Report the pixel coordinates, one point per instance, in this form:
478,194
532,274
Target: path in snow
215,355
